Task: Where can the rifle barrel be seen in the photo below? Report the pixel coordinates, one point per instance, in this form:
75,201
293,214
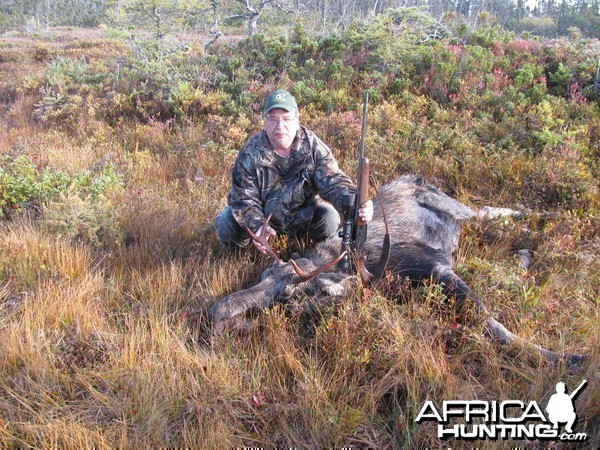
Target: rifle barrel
364,126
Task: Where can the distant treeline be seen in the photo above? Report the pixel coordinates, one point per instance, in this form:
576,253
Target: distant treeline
548,18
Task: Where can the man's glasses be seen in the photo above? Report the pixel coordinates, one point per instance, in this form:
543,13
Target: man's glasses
285,120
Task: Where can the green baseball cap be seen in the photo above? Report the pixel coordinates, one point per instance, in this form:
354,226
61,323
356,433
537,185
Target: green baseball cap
281,99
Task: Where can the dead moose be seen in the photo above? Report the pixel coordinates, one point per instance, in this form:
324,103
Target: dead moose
424,225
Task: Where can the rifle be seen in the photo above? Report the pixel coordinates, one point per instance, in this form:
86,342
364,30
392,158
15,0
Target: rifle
354,229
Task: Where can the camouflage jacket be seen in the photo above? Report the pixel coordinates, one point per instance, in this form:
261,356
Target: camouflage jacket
263,182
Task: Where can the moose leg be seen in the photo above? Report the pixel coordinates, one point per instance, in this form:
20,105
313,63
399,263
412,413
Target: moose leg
239,303
456,287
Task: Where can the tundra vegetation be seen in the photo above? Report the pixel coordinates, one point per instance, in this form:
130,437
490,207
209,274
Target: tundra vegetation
115,151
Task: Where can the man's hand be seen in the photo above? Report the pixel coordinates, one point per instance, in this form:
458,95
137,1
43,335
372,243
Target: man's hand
365,212
268,233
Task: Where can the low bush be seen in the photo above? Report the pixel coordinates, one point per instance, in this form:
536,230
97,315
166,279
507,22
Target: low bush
25,185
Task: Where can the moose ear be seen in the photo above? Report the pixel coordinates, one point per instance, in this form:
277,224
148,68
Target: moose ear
339,287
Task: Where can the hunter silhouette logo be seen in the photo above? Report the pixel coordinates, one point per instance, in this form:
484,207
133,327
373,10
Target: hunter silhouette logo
509,419
560,407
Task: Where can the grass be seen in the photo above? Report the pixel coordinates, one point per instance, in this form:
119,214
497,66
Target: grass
105,343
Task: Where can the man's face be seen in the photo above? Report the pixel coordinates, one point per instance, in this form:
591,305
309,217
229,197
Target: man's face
281,127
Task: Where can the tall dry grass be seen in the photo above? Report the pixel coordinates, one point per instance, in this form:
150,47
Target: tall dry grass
108,347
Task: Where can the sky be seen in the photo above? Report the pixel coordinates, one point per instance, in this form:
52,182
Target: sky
531,3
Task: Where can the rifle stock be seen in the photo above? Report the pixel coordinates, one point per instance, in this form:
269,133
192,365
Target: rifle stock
354,232
362,194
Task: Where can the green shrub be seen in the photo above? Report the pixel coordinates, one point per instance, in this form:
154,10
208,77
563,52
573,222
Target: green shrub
56,107
64,72
83,218
43,52
23,184
186,99
487,36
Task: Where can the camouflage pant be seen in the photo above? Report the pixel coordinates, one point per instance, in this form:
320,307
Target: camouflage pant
324,224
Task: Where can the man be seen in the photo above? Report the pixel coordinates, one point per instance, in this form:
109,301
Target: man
560,408
281,171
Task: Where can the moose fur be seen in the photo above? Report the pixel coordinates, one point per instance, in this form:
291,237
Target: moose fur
424,225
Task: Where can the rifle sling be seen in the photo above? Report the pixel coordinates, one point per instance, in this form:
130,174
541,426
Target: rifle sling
387,241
